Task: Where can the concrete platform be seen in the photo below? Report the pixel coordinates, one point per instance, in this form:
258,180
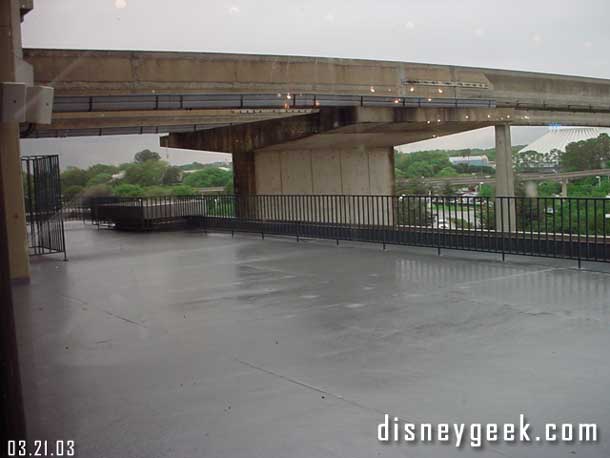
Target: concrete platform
190,345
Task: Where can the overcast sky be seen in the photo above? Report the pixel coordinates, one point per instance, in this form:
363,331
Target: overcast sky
561,36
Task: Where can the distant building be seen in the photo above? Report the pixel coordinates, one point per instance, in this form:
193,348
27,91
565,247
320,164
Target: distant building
556,140
472,161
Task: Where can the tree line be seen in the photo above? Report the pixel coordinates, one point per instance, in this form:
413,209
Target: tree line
149,176
146,176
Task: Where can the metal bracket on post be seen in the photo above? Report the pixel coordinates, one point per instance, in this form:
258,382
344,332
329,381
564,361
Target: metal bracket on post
20,102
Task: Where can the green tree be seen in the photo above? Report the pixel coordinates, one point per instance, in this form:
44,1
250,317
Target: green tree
549,188
447,172
74,176
487,190
157,191
149,173
433,162
96,169
586,155
128,190
420,169
100,178
183,190
192,166
447,189
208,178
529,160
415,186
229,188
146,155
399,173
72,192
413,211
172,175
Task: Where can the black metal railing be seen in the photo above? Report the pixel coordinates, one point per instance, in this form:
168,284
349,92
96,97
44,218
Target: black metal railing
574,228
43,206
75,210
273,100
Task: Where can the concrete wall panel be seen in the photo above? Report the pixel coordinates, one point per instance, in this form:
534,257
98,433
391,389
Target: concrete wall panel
296,172
355,171
268,172
326,166
381,173
327,172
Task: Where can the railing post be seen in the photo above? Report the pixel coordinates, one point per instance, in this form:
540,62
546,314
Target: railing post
295,215
500,229
260,212
577,231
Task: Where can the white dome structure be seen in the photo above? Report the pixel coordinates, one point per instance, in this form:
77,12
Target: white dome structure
559,139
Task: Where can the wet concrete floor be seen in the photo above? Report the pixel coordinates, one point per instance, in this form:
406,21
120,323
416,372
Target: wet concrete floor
184,344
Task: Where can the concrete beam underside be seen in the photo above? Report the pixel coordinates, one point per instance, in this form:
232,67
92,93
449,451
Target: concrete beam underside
336,128
390,120
67,121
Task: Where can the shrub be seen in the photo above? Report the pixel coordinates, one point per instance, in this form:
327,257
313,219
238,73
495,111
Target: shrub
100,190
157,191
72,192
100,178
182,190
208,178
128,190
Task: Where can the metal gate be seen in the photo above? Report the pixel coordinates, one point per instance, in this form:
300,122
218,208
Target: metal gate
42,189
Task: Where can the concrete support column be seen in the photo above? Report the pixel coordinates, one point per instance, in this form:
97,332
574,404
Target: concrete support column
10,56
13,202
14,260
505,180
564,188
244,176
244,183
